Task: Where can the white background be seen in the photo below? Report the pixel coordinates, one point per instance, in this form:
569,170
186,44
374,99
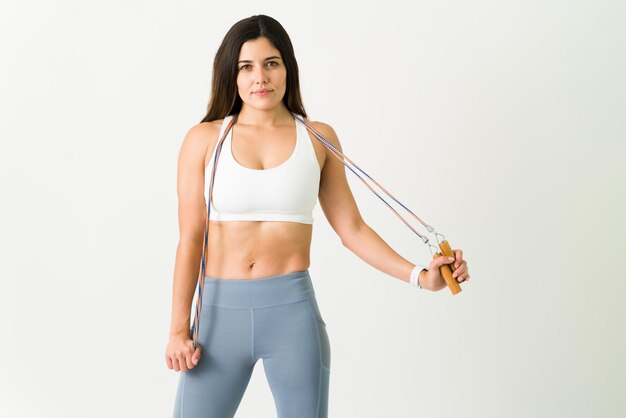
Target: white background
500,123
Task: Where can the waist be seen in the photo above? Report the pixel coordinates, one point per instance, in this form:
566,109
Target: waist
271,247
257,293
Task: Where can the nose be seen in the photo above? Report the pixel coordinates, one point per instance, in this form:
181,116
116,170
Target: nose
261,75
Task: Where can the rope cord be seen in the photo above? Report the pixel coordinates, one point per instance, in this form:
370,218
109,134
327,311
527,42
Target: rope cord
343,158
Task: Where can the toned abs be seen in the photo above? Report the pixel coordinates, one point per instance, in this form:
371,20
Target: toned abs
245,250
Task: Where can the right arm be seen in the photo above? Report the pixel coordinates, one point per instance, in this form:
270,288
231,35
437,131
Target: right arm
192,221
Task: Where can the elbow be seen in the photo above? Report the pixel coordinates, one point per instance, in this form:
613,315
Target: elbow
352,234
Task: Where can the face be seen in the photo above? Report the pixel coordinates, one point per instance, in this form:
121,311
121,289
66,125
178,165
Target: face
261,66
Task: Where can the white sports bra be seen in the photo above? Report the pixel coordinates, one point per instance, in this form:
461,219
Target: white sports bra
287,192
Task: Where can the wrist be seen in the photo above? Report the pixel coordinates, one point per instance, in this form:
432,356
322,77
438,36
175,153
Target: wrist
180,330
423,276
417,277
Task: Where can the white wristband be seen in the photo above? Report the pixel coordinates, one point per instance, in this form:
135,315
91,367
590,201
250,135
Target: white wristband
414,280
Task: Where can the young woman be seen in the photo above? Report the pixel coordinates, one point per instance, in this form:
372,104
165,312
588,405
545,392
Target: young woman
258,300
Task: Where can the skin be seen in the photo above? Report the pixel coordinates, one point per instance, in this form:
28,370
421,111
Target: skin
264,137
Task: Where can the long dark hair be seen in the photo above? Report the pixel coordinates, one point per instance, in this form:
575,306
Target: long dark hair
225,99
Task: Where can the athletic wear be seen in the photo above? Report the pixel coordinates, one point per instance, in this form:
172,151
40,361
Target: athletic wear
287,192
274,318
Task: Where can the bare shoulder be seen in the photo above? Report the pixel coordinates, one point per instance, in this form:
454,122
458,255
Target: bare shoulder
322,127
201,139
204,131
327,132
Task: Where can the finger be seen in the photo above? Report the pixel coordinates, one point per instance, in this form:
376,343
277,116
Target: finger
459,253
188,362
196,355
458,257
168,360
445,260
182,362
464,275
181,365
192,357
461,270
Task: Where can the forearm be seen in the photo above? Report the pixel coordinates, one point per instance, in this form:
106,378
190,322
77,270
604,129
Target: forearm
186,270
372,249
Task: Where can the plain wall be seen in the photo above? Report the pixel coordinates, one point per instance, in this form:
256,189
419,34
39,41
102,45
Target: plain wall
499,123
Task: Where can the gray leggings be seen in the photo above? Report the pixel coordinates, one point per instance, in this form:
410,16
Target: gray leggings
274,318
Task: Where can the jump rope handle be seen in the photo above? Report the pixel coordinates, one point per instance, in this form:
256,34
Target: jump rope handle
445,270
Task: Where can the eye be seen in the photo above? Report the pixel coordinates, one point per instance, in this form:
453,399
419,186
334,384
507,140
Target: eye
274,64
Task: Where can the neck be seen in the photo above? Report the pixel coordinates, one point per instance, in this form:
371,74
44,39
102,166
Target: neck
264,117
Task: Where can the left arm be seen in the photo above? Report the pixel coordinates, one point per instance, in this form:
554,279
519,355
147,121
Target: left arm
372,249
339,207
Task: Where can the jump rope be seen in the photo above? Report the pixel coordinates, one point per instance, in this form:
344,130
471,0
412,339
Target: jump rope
444,246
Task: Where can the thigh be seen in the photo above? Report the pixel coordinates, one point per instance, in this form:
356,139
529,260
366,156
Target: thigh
215,386
293,342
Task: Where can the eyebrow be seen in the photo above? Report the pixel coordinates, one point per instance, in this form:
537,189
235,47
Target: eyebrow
268,58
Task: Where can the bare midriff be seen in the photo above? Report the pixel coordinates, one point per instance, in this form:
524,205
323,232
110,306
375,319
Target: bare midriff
246,250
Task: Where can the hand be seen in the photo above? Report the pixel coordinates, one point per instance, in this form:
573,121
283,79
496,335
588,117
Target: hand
180,355
459,270
458,267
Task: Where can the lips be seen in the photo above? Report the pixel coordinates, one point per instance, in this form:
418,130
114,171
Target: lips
263,91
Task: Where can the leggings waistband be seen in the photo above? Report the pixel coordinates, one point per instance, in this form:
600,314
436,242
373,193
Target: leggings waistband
255,293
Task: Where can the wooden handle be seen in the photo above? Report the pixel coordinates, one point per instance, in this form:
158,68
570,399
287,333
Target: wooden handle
445,270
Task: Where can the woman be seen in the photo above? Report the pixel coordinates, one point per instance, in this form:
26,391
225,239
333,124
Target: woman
258,300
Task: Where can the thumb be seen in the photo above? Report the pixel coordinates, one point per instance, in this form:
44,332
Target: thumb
445,260
196,355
